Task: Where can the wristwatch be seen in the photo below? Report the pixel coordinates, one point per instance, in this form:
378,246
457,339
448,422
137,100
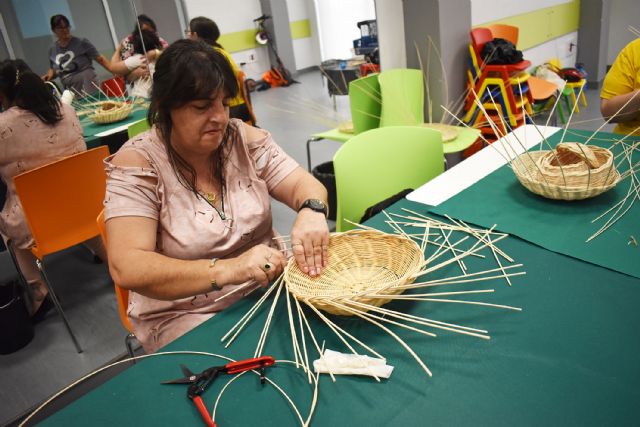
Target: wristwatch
315,205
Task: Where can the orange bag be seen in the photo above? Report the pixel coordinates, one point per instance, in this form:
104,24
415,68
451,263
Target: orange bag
275,78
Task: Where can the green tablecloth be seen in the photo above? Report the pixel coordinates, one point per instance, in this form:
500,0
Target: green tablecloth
90,129
569,358
556,225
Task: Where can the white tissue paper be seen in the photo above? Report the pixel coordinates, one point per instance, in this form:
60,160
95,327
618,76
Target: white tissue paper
351,364
67,97
134,61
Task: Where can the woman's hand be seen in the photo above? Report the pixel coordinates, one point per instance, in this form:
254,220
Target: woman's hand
310,241
138,73
260,263
49,76
135,61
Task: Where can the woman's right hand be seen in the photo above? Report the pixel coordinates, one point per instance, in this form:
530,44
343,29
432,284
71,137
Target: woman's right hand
135,61
260,263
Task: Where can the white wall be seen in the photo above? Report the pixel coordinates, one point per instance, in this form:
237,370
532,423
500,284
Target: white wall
232,18
391,40
556,48
337,21
307,50
622,14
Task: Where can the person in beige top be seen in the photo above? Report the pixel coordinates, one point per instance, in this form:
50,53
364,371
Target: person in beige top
187,208
35,129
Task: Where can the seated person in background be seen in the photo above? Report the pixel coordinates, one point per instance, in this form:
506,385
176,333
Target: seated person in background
70,58
35,129
187,207
622,84
201,28
126,49
149,43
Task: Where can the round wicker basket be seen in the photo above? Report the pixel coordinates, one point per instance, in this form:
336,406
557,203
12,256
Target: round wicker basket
346,127
111,112
572,171
362,264
449,132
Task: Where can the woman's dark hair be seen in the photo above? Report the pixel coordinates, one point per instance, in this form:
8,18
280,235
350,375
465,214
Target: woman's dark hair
57,20
206,29
149,38
186,71
25,89
142,20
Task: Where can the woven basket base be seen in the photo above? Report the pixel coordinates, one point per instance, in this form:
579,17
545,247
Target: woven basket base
112,115
449,132
362,264
569,186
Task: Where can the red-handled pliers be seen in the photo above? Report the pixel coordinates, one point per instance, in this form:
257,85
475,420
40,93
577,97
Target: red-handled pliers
200,382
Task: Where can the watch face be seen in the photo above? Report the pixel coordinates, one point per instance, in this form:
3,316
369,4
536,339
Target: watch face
316,205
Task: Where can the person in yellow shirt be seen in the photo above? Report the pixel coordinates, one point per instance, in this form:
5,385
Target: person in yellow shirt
201,28
622,86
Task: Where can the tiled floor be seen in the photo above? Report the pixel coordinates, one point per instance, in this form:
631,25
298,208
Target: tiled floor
50,362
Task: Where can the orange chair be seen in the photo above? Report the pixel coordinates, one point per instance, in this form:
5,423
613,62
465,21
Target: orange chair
113,87
480,36
61,201
504,31
122,295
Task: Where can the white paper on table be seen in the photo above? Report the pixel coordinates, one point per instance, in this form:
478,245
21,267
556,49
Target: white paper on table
351,364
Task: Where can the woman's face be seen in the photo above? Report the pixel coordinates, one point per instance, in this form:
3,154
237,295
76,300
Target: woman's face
62,31
192,35
198,126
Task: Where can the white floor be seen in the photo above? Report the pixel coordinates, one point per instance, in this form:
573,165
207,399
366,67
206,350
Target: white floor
50,362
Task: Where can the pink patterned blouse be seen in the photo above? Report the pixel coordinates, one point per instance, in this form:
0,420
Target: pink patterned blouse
188,227
26,142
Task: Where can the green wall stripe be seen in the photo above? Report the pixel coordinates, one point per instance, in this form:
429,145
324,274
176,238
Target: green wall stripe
300,29
240,40
543,25
246,39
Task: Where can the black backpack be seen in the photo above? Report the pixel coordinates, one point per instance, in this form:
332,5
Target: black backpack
499,52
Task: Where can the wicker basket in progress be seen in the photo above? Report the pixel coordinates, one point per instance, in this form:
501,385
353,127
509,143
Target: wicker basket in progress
346,127
572,171
111,112
449,132
362,264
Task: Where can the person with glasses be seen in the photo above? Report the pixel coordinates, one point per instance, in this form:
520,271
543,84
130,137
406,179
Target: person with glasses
202,28
71,59
188,202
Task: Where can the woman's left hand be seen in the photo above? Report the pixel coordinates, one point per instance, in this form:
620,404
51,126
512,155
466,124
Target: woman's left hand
310,241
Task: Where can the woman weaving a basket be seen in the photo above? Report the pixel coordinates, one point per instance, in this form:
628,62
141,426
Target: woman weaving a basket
188,207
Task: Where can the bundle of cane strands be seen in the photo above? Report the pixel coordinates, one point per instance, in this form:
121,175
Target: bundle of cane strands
368,268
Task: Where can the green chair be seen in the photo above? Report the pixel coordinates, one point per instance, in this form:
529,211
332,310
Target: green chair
402,92
365,104
379,163
137,127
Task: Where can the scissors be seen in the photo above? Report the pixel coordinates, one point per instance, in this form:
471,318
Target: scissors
198,383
